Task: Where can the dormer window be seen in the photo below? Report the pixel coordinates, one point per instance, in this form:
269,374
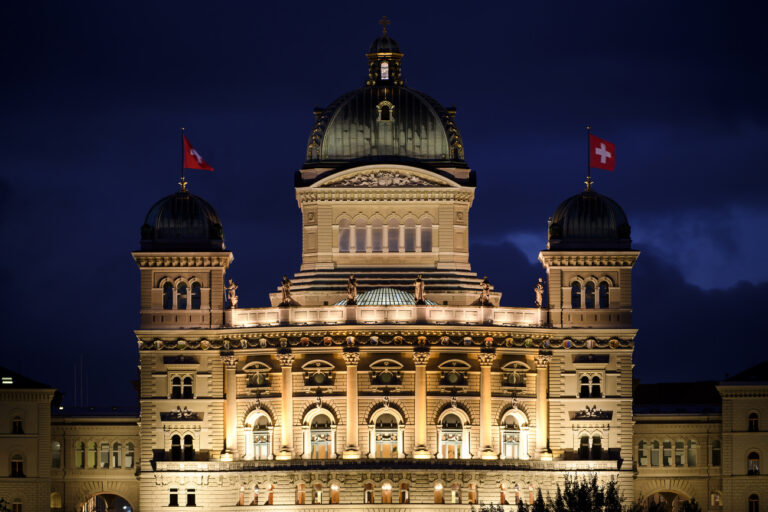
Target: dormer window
386,111
385,70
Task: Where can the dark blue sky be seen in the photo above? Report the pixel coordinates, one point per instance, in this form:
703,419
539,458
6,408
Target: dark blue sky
93,95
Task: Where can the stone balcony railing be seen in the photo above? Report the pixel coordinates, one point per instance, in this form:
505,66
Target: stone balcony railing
422,315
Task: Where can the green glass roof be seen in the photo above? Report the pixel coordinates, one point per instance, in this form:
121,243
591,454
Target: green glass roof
385,297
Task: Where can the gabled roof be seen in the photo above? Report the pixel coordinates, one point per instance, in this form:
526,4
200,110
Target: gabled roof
12,380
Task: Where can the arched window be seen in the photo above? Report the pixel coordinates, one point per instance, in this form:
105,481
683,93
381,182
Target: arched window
393,236
642,453
176,387
117,455
604,297
368,493
596,389
455,496
317,494
584,447
679,452
56,501
262,438
452,432
575,295
92,455
716,452
597,448
693,453
320,437
753,422
405,494
175,447
384,73
55,454
753,463
410,235
386,437
472,494
17,425
360,235
503,494
80,455
17,466
167,296
385,113
426,235
377,233
754,503
584,388
104,455
186,388
129,456
439,493
589,296
181,296
666,454
189,447
334,493
386,492
715,499
511,438
196,298
344,235
655,453
301,494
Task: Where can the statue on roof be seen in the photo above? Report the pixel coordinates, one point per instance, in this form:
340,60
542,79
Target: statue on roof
231,294
539,291
485,294
286,290
351,290
418,291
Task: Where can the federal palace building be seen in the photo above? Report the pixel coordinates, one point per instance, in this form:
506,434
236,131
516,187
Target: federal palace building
385,374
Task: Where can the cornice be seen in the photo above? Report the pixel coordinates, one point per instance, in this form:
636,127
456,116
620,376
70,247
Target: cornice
588,258
444,194
183,259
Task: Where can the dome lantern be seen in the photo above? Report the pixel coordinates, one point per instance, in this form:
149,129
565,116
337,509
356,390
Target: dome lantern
384,58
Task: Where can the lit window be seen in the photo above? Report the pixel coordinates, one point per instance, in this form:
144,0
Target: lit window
715,499
655,453
679,452
693,453
472,494
104,455
393,236
753,464
451,437
426,235
666,454
386,492
439,493
7,380
334,493
129,456
753,422
405,496
17,466
511,438
344,235
317,494
301,494
377,232
262,438
455,497
320,437
55,454
80,455
410,235
360,235
386,437
642,453
385,70
117,455
92,455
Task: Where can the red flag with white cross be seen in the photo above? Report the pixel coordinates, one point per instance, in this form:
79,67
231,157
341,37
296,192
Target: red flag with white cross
602,154
192,159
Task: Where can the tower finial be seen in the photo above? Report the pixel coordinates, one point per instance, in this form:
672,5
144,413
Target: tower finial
384,22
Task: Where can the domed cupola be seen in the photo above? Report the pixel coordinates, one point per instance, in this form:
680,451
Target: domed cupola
182,222
589,221
383,122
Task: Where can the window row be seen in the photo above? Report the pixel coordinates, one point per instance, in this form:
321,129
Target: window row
181,296
585,297
590,386
590,447
181,387
678,454
94,455
175,493
392,236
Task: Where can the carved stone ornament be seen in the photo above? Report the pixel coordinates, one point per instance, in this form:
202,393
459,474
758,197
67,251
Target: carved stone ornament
486,358
514,403
386,401
454,403
391,179
351,358
230,362
420,357
286,359
542,359
319,402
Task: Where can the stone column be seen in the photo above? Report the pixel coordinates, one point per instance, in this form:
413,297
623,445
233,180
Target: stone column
352,358
486,358
286,432
542,406
230,407
420,358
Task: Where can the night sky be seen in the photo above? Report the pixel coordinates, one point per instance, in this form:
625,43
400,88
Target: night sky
93,95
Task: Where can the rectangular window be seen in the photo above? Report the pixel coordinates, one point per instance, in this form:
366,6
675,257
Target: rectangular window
173,500
55,454
679,453
666,456
104,455
716,453
693,454
190,497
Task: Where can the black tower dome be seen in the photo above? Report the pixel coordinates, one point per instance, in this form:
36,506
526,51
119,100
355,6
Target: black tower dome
589,221
182,222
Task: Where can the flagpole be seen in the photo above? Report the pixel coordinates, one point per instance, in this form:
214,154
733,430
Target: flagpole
183,182
589,169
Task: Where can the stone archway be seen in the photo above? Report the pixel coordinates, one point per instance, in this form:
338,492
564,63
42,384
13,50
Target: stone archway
106,502
665,501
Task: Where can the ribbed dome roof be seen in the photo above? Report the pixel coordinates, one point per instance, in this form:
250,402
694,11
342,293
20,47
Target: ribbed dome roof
385,297
384,44
182,222
589,221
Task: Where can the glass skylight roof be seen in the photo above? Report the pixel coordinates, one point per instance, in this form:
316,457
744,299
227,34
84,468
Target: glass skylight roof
385,297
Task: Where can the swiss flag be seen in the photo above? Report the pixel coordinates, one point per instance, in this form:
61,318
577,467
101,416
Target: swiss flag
602,154
192,159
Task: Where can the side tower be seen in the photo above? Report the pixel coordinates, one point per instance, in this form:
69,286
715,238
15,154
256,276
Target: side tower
589,260
182,263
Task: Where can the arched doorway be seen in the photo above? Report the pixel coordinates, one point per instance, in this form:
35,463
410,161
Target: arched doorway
106,503
665,502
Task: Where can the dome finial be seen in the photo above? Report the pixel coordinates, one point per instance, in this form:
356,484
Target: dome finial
384,22
588,182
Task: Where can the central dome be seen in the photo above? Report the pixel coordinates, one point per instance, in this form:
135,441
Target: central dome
384,122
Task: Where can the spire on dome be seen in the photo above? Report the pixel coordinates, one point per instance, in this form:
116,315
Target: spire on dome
384,58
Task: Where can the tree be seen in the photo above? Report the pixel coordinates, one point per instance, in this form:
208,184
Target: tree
538,504
612,499
690,506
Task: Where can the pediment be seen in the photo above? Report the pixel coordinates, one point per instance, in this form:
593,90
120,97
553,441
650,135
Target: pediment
384,178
